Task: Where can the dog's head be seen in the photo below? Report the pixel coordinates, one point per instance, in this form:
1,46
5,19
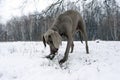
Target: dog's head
53,39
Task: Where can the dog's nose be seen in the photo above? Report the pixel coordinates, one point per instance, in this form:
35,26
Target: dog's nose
56,49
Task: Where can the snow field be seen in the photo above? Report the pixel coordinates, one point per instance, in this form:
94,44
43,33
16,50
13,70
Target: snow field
25,61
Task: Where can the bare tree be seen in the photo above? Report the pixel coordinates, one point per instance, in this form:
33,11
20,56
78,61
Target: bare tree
102,20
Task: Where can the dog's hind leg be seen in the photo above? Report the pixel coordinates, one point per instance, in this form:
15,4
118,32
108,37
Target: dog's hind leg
72,47
85,38
81,26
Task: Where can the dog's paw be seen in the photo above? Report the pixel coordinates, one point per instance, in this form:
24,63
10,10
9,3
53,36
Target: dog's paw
62,61
51,56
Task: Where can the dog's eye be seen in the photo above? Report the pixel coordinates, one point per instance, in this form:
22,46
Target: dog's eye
49,42
49,36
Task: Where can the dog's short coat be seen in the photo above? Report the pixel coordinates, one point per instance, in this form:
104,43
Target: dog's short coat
66,24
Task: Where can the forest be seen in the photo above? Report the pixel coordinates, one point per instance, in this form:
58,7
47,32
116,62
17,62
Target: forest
102,19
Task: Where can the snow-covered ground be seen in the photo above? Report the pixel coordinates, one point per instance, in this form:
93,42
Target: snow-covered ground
25,61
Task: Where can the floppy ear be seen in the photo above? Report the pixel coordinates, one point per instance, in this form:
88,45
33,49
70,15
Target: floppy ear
45,36
56,38
44,42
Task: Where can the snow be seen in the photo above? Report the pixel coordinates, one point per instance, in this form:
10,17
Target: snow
25,61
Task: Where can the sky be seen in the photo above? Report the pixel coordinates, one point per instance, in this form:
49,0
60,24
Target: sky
10,8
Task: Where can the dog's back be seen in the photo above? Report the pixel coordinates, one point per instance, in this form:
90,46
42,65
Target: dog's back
71,17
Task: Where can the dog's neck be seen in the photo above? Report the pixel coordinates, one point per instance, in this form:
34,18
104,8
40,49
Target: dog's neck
60,32
55,29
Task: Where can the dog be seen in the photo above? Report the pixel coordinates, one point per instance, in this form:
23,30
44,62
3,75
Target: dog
66,24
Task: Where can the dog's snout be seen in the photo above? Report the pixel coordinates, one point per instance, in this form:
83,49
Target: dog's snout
56,49
53,51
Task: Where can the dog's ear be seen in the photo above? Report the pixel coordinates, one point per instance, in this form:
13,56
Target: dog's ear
46,35
56,38
44,41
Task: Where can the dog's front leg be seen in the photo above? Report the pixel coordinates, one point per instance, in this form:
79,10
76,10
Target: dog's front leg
67,51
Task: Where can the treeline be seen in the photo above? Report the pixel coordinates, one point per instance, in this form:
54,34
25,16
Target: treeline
102,21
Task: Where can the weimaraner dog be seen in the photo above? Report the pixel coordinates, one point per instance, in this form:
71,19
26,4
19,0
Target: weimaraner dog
66,24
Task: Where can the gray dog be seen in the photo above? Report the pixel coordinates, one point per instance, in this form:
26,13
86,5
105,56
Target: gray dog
66,24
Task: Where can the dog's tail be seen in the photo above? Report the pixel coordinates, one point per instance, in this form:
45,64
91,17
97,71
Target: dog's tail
81,37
